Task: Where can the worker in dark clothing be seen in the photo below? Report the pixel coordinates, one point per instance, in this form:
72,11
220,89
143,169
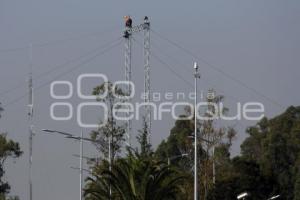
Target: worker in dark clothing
128,21
128,25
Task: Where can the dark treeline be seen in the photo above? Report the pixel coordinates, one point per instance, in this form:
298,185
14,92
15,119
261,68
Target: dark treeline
267,166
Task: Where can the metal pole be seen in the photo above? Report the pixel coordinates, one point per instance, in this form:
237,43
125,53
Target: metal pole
109,160
81,155
214,166
195,132
30,119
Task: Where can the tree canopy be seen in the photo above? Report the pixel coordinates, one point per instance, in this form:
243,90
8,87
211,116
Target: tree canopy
8,149
269,160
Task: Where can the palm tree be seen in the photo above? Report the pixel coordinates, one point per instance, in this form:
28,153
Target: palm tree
135,178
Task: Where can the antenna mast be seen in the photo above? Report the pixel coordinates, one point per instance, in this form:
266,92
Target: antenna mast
30,119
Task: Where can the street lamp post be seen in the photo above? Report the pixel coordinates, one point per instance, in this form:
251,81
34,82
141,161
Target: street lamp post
109,160
196,76
214,166
71,136
81,154
214,146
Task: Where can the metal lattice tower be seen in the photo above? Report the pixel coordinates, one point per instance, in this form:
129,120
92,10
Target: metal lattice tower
129,30
147,83
128,41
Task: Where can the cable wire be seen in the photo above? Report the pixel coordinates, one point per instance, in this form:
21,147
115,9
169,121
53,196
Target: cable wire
59,41
170,68
46,73
177,61
64,73
166,65
240,82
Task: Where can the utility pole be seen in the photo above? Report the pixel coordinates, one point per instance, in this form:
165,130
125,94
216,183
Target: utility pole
214,165
30,119
81,155
109,161
196,76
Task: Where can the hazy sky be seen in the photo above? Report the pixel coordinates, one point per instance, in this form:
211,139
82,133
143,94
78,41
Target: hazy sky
256,42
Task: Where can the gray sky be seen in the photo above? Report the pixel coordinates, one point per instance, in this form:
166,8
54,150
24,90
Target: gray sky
254,41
